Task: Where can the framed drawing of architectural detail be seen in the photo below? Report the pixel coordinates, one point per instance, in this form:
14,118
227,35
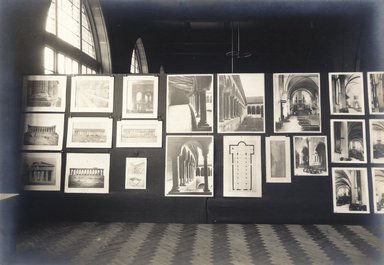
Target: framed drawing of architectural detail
350,190
87,173
43,131
139,133
297,104
240,103
44,93
346,93
140,96
89,132
190,103
41,171
136,173
376,132
189,166
311,156
242,166
92,94
376,92
348,141
378,189
278,159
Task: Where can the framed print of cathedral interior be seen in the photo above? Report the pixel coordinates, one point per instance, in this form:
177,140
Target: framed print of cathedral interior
375,81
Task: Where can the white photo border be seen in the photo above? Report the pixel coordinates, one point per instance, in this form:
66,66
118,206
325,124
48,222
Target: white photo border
370,92
373,169
140,124
144,177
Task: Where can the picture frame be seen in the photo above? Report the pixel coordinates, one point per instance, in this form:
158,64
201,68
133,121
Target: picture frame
91,93
375,81
190,103
89,132
87,173
140,96
346,93
44,93
278,159
139,133
242,166
41,171
136,173
241,103
376,132
297,103
378,189
189,170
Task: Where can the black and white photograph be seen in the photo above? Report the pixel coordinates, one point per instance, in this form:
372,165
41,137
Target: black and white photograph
376,92
44,93
242,166
348,141
296,99
87,173
310,158
43,131
376,132
346,93
140,96
278,159
41,171
190,103
89,132
136,173
350,190
189,166
139,133
378,189
92,94
240,103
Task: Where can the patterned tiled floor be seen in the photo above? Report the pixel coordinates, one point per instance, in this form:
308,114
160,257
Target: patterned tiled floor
200,244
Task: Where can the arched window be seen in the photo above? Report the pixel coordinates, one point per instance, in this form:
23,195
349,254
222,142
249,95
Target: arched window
79,24
139,63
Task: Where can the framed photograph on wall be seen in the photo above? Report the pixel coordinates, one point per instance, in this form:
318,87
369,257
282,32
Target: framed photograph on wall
190,103
92,94
189,166
311,156
140,96
87,173
89,132
346,93
278,159
139,133
43,131
297,103
375,81
376,132
136,173
44,93
350,190
41,171
348,141
240,103
242,166
378,189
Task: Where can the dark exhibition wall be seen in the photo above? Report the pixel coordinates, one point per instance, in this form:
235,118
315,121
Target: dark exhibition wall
191,37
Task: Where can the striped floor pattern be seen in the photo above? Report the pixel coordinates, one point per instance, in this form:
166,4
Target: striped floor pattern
189,244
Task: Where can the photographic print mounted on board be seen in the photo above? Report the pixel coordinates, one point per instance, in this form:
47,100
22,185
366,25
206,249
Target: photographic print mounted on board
311,156
348,141
140,96
189,103
139,133
278,159
41,171
87,173
92,94
89,132
297,104
378,189
43,131
241,103
376,132
376,92
189,166
350,190
242,166
346,93
136,173
44,93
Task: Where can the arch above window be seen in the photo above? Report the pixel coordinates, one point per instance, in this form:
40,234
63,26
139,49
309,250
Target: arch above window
139,64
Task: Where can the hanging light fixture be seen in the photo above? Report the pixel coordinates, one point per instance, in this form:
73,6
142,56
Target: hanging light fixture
235,50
